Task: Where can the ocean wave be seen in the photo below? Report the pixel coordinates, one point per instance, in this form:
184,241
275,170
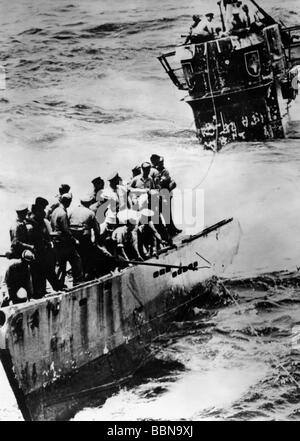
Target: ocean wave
65,35
131,27
32,31
181,134
65,8
247,415
267,281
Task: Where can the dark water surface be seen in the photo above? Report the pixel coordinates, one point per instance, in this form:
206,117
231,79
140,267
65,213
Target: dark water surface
86,95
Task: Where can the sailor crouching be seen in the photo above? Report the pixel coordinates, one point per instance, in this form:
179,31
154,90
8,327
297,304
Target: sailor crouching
18,278
149,240
125,237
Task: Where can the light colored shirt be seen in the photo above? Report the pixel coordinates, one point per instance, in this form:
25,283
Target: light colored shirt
128,240
204,27
60,223
142,183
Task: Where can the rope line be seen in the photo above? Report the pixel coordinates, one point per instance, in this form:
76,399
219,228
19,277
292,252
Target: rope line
216,119
212,98
207,171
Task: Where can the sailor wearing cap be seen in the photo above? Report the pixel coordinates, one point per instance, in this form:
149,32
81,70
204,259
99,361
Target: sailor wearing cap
98,199
98,185
205,28
142,183
39,234
164,179
64,240
114,179
85,228
153,172
19,233
125,237
236,15
18,279
136,171
63,188
154,158
193,28
166,184
116,195
41,202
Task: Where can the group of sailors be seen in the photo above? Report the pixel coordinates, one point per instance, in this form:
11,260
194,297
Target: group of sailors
237,18
110,227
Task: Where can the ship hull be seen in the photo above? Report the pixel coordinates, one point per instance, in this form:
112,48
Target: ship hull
256,114
86,386
74,349
239,85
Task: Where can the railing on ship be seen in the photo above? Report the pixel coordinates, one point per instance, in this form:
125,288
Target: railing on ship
175,71
291,41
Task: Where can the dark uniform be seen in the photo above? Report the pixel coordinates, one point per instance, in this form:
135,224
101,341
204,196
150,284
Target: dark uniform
19,238
64,244
63,189
43,267
83,223
97,199
136,171
166,185
53,205
18,276
105,239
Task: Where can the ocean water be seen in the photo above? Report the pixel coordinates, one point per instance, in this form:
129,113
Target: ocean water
86,95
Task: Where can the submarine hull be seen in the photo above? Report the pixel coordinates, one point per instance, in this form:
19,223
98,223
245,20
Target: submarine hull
72,350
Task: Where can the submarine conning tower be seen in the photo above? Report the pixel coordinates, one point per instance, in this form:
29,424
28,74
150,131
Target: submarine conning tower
240,87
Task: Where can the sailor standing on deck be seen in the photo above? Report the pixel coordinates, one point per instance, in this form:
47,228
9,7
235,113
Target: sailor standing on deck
236,17
98,186
85,228
64,242
141,184
98,199
19,233
43,267
166,185
63,189
116,195
154,159
193,27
